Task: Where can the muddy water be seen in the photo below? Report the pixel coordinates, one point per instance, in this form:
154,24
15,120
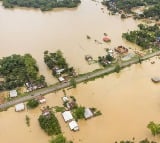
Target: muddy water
31,31
128,102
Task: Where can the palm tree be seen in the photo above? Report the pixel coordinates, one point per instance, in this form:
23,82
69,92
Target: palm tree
155,128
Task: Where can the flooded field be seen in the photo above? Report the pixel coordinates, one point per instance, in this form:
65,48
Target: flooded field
128,102
32,31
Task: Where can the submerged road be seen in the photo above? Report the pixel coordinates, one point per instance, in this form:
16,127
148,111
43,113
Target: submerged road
79,79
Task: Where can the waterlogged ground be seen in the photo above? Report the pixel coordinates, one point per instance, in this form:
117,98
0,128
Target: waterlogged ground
128,101
32,31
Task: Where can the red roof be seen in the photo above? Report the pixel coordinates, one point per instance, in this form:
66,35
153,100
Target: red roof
106,39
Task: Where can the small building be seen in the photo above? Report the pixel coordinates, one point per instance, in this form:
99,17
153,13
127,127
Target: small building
88,113
73,126
59,71
61,79
67,116
19,107
41,99
70,105
106,39
121,50
65,99
13,93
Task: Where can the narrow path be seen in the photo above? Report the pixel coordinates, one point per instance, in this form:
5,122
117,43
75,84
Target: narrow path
79,79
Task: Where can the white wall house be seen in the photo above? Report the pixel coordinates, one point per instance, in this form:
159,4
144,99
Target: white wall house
19,107
12,93
88,113
73,126
67,116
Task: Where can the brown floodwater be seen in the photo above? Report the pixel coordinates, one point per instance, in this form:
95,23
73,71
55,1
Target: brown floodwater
25,30
128,100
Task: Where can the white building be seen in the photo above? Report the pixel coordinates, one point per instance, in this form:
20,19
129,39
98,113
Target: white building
65,99
88,113
19,107
67,116
41,99
12,93
61,79
73,126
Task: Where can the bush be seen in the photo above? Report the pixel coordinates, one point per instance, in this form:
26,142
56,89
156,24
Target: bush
32,103
117,68
50,124
78,113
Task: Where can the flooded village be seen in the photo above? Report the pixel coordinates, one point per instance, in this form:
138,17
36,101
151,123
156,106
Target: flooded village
68,44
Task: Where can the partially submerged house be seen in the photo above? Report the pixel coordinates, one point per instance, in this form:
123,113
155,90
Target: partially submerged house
67,116
41,99
61,79
73,126
88,113
106,39
13,93
121,50
19,107
65,99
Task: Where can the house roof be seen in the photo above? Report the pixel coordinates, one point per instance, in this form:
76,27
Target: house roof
41,99
19,107
65,99
67,116
73,125
106,39
13,93
88,113
61,79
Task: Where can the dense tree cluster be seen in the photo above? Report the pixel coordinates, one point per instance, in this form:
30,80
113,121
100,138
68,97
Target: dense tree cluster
60,139
44,5
56,61
17,69
146,36
50,124
127,5
33,103
142,141
78,112
105,60
153,12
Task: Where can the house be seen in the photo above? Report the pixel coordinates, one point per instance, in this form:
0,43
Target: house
88,113
67,116
46,111
13,93
73,126
59,71
70,105
65,99
19,107
121,50
106,39
41,99
61,79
